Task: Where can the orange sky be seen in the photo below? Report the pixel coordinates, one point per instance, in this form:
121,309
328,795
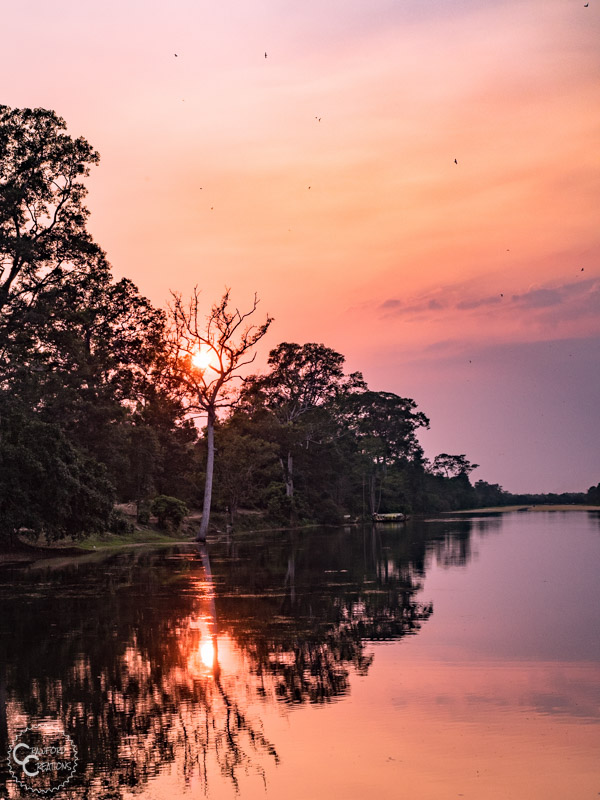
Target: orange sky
472,287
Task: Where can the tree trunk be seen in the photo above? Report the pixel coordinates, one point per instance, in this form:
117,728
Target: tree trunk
208,483
289,476
372,503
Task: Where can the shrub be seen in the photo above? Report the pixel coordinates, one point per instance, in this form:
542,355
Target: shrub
285,510
170,511
118,523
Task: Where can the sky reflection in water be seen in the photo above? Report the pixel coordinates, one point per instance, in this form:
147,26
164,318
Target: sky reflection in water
463,654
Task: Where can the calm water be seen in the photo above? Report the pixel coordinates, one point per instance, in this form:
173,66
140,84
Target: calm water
440,659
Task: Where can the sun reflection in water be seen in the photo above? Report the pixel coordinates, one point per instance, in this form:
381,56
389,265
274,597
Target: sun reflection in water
207,654
204,650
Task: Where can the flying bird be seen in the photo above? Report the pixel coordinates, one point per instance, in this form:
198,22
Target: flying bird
265,55
175,54
455,161
585,5
582,269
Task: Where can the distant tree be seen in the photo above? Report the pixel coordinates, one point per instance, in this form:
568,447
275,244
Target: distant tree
206,359
452,466
490,494
593,495
385,426
390,421
448,484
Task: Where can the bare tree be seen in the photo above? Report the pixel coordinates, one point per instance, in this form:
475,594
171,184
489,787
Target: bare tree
207,357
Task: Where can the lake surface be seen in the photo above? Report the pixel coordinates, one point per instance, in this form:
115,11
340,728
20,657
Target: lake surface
437,659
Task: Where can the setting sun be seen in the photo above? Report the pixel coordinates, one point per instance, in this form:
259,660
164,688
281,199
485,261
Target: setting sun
201,359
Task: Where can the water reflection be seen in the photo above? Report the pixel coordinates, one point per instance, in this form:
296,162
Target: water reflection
127,656
166,661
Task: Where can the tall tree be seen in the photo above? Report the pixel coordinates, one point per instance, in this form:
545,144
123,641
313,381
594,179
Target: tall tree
85,354
303,383
42,217
206,358
385,426
80,353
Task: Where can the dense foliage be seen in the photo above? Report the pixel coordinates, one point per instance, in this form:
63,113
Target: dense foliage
95,401
87,412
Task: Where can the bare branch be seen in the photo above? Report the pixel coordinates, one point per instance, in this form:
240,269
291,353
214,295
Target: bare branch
218,336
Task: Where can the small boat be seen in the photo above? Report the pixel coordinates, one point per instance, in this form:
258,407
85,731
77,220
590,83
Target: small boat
396,517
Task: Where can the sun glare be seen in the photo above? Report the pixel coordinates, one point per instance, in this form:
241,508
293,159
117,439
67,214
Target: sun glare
201,359
207,654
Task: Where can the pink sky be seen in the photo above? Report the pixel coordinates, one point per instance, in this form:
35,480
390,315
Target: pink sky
472,287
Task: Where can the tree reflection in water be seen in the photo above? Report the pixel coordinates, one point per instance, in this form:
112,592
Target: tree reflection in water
150,660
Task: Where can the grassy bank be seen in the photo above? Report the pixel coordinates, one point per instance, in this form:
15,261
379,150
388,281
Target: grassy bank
103,541
152,534
25,551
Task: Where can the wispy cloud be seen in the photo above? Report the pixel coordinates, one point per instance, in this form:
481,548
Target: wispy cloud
563,301
581,296
478,302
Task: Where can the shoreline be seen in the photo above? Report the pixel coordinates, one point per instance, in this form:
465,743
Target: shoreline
525,507
26,554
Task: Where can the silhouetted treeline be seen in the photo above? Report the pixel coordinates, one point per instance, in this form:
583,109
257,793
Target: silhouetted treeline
493,495
91,411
